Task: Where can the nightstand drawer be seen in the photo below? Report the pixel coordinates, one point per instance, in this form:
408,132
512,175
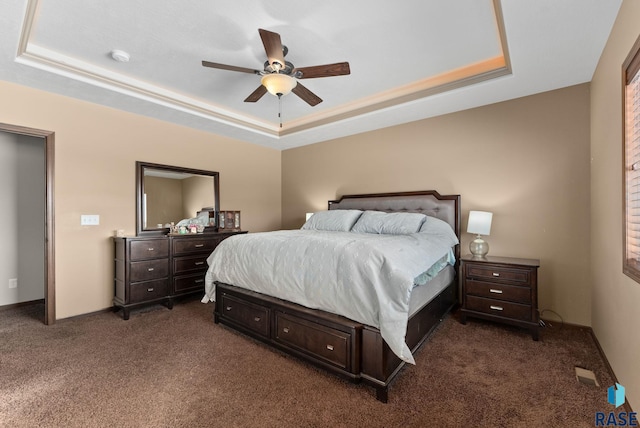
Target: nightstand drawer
511,275
510,293
499,308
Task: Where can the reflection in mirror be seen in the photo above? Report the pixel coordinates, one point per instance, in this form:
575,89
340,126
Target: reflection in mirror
169,194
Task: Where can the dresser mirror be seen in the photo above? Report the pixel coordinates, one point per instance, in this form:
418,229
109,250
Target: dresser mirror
166,194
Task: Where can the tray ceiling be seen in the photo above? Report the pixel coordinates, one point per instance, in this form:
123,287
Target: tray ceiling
409,60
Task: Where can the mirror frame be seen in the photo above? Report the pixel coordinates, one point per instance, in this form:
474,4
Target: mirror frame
140,168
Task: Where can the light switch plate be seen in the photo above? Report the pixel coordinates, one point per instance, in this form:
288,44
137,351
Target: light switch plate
89,220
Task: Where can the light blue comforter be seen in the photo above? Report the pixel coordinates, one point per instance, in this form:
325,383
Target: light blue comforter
365,277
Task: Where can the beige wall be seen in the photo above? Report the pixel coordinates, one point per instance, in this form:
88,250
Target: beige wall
615,296
95,153
526,160
164,201
198,194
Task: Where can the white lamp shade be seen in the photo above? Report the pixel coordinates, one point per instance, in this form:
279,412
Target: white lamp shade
479,222
279,84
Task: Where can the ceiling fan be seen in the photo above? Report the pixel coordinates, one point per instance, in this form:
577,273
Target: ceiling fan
279,77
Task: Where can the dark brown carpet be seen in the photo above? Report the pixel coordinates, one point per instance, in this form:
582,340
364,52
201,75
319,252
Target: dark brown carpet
177,368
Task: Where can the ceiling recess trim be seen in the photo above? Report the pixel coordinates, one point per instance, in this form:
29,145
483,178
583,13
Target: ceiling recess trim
467,75
32,55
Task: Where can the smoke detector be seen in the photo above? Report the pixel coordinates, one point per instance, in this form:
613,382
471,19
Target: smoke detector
120,56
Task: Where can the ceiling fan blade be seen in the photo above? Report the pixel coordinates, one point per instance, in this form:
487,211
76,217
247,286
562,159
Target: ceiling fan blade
328,70
306,95
272,46
229,67
256,95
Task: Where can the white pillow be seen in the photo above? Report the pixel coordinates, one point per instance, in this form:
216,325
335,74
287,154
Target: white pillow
334,220
389,223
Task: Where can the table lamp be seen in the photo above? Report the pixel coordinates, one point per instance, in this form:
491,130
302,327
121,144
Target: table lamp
480,224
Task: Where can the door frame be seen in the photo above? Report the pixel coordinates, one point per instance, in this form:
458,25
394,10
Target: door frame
49,232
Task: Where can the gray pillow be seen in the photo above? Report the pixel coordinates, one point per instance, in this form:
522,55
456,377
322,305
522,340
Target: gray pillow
435,226
334,220
389,223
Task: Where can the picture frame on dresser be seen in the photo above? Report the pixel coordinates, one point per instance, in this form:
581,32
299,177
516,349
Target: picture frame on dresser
229,220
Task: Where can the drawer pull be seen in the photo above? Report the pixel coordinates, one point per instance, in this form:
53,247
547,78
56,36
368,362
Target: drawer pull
199,245
150,249
199,263
493,290
330,347
150,269
257,319
197,281
286,330
496,308
496,274
228,308
150,289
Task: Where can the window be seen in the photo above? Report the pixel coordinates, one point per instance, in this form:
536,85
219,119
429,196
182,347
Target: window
631,79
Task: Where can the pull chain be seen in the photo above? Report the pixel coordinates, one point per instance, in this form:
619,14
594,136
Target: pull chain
280,109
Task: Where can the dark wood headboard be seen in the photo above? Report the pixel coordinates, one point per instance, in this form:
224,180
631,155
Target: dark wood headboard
428,202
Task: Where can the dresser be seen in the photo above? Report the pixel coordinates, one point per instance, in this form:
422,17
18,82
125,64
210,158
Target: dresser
160,269
501,289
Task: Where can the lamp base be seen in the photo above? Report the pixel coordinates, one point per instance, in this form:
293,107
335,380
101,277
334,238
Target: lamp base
479,247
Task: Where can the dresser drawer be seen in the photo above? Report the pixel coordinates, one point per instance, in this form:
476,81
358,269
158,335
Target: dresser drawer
189,264
512,275
148,290
149,249
322,342
194,245
499,291
246,314
188,283
499,308
147,270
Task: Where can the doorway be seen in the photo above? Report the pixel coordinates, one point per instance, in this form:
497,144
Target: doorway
49,247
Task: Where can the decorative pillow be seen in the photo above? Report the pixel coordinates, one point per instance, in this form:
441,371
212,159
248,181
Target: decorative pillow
389,223
334,220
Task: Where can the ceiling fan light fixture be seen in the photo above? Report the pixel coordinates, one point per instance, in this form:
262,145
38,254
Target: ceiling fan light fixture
278,84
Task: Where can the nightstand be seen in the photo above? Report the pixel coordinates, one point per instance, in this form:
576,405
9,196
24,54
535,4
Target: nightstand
501,289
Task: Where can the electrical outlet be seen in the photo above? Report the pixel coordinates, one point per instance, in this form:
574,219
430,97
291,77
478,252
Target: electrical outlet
13,283
89,220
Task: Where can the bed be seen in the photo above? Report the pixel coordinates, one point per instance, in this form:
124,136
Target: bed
345,335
